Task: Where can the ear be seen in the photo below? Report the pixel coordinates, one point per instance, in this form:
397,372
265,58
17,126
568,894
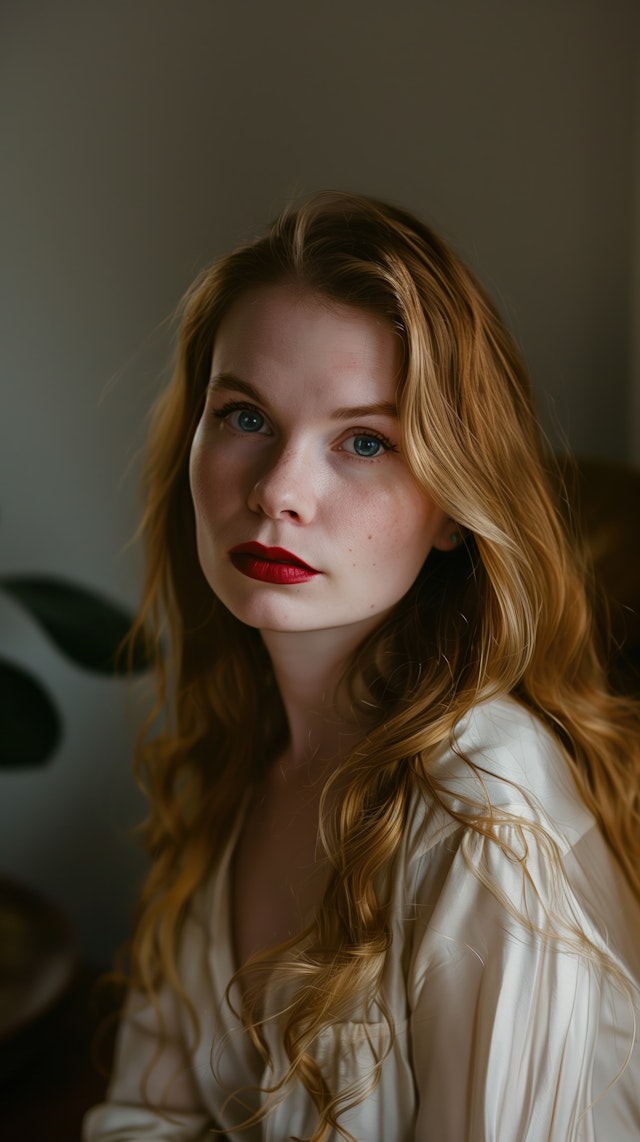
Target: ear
449,537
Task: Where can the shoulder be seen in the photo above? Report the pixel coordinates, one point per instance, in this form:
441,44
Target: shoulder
504,738
498,857
502,760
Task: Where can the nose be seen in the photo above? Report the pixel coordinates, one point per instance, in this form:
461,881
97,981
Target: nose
285,487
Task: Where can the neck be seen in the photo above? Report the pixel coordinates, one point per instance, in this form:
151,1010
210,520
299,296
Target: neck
308,665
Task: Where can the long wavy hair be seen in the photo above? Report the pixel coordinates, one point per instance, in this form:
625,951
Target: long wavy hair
507,613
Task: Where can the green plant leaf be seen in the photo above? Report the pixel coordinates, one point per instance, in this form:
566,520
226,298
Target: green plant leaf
30,727
87,627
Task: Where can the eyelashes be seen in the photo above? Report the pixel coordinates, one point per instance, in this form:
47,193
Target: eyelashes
368,444
362,442
249,414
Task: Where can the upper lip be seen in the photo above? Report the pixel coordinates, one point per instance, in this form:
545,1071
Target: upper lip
275,554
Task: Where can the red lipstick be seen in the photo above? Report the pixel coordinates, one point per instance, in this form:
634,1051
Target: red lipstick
270,564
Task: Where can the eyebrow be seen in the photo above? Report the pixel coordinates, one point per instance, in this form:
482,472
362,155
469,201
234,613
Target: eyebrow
377,408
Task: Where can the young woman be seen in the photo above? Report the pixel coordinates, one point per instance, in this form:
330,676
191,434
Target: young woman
395,890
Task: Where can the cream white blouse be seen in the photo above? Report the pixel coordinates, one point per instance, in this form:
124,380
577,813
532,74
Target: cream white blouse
502,1035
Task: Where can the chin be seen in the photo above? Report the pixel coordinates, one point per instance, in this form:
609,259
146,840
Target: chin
262,616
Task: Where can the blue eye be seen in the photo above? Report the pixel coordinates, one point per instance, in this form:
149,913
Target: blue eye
249,421
367,445
242,417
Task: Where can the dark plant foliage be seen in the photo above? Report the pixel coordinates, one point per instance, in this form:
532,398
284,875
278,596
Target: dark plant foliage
89,629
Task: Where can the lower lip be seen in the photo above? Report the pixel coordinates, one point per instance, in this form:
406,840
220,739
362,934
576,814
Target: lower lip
267,571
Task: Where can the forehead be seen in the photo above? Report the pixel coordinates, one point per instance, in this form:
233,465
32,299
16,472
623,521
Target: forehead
278,330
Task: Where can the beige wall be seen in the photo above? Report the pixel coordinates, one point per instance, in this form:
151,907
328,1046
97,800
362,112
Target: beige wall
143,137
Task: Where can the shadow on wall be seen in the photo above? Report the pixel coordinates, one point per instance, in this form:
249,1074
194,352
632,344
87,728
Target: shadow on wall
90,630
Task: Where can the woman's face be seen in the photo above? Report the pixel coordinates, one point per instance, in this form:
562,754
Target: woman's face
307,514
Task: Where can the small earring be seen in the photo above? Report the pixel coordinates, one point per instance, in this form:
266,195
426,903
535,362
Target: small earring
454,538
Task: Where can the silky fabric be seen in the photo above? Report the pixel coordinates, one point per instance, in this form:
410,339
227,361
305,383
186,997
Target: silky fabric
508,1028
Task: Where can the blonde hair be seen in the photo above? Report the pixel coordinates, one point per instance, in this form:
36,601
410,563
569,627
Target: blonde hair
508,613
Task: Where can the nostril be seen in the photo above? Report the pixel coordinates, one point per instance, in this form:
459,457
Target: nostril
283,491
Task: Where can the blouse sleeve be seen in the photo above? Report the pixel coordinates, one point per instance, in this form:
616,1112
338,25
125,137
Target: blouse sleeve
169,1107
516,1031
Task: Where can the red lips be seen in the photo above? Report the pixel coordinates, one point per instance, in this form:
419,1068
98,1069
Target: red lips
270,564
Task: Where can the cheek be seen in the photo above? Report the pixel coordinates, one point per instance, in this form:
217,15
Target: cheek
206,477
196,458
393,533
407,522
